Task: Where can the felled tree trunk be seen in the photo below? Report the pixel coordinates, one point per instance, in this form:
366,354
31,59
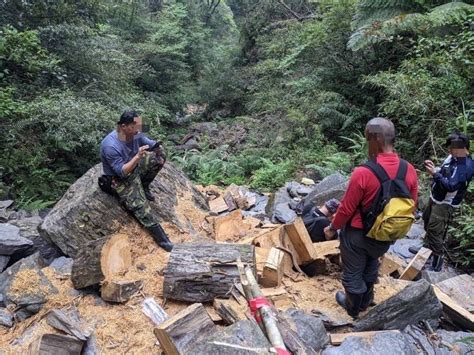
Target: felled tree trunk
202,272
101,259
86,213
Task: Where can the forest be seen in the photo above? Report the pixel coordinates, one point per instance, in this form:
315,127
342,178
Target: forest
290,84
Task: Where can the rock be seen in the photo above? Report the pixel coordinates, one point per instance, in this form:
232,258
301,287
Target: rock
461,340
29,229
86,213
292,188
24,286
332,186
283,214
416,231
400,247
414,303
383,343
11,242
241,338
4,262
62,266
434,277
6,203
309,328
278,207
190,144
6,318
330,321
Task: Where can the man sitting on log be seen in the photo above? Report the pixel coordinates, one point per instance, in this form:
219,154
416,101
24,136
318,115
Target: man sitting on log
317,218
360,249
130,162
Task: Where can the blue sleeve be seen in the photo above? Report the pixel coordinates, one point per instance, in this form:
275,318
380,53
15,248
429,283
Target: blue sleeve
144,140
114,159
458,181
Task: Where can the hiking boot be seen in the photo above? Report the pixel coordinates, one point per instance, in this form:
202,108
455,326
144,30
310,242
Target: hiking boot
414,250
149,196
160,237
437,263
350,302
368,297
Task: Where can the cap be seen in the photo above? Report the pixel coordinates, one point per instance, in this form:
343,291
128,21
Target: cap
332,205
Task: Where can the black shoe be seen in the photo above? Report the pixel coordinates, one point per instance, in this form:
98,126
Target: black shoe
350,302
149,196
437,263
368,297
160,237
414,250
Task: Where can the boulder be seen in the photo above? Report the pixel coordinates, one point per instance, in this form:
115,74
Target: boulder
11,242
4,259
278,207
62,266
29,230
434,277
400,248
463,341
414,303
382,343
86,213
6,318
332,186
25,287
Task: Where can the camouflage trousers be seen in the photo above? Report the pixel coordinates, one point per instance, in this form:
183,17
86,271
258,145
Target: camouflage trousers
130,190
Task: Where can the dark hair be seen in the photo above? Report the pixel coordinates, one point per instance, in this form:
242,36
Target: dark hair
128,116
383,128
460,139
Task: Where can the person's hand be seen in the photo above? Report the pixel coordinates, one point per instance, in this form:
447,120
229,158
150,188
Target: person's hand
141,151
329,233
430,167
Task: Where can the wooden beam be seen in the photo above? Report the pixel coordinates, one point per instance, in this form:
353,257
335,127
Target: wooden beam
338,338
455,312
416,264
327,249
119,291
178,334
299,237
273,269
460,289
218,205
390,263
230,310
56,344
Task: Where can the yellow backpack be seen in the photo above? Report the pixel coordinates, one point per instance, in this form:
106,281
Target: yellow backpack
390,215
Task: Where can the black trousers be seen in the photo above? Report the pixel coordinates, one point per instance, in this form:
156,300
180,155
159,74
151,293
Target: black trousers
360,259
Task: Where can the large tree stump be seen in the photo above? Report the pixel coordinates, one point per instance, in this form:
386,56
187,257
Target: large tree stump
202,272
86,213
100,260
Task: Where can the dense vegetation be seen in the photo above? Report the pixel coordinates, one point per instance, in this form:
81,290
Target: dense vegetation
299,78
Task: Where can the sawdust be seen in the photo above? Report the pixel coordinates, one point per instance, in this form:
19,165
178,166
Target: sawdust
27,281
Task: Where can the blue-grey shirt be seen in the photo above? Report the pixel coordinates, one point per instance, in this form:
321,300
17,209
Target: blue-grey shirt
115,153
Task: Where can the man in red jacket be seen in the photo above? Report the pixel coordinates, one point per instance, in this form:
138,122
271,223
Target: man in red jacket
360,253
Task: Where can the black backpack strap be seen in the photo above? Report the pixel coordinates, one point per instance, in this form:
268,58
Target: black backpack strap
378,170
402,170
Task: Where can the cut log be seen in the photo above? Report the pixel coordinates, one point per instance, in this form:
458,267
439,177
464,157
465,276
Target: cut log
218,205
252,221
101,259
390,263
229,200
416,264
414,303
278,297
261,256
230,227
454,311
301,241
338,338
180,333
270,238
460,289
202,272
274,268
326,249
230,310
119,291
56,344
69,324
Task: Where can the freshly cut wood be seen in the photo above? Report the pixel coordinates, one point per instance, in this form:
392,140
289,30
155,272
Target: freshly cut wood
416,264
229,200
301,241
455,312
230,310
101,259
279,238
278,297
154,311
390,263
68,323
218,205
252,221
180,333
261,256
338,338
202,272
119,291
326,249
274,268
460,289
230,227
56,344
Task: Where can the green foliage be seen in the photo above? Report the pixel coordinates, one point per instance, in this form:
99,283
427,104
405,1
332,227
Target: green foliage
272,175
461,234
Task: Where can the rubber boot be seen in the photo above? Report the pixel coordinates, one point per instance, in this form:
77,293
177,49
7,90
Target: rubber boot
149,196
350,302
437,263
414,250
368,298
160,237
